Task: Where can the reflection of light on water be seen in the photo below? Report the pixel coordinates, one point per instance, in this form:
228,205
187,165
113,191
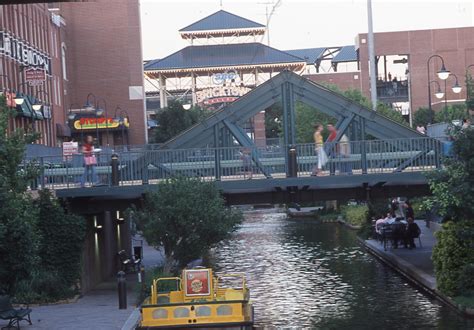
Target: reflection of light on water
310,275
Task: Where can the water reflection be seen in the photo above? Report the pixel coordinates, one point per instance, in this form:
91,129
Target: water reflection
304,274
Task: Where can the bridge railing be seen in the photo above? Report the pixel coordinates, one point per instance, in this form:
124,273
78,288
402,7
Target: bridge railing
144,166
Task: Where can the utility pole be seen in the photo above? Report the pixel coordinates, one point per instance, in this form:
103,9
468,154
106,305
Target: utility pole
373,72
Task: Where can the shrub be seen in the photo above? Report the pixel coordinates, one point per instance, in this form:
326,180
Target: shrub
453,256
42,286
62,239
356,215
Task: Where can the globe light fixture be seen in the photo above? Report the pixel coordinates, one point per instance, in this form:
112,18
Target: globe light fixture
443,74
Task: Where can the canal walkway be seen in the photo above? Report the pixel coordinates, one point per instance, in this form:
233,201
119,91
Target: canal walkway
97,309
415,264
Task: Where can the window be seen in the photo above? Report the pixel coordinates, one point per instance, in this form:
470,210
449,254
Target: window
63,60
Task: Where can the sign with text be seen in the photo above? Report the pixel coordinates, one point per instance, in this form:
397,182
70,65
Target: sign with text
70,148
23,53
99,123
198,282
35,76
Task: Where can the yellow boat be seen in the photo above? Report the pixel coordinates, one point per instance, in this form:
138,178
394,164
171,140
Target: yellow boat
199,300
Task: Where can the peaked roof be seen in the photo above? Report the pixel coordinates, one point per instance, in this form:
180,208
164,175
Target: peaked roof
229,55
222,20
346,54
310,55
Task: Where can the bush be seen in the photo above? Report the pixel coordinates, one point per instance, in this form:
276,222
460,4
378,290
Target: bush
356,215
62,239
150,275
453,256
42,286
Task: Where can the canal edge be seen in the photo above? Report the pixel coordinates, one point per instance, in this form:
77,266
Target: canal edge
415,275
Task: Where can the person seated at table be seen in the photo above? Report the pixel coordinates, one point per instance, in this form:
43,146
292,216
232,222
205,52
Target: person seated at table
398,232
379,224
413,231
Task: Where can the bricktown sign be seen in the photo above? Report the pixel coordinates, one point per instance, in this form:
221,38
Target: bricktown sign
23,53
227,90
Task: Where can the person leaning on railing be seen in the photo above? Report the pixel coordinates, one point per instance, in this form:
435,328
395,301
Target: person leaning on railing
90,161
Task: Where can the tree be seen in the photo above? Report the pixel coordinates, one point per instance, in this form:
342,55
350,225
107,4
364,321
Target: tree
469,92
174,120
450,113
62,240
18,235
453,195
185,217
306,118
423,116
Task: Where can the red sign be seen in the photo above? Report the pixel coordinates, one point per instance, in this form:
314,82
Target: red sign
35,76
197,282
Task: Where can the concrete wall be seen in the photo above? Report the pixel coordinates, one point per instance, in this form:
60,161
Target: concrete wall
100,261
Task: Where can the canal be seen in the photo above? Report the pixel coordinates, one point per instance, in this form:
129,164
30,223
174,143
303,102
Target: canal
304,274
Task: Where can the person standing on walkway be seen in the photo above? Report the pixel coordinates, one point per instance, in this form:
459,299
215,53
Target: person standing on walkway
90,161
409,213
334,152
413,231
246,163
345,152
320,153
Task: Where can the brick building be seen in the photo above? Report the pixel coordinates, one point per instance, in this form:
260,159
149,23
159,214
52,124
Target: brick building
402,67
87,55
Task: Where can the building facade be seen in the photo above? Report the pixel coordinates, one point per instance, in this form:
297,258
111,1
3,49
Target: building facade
78,66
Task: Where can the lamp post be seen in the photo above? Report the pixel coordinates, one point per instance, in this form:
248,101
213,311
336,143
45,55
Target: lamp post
106,118
72,116
442,73
456,89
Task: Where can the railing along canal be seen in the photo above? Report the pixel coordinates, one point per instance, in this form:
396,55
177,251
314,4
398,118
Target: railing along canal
235,163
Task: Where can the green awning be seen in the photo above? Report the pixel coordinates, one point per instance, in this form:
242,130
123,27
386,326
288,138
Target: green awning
26,109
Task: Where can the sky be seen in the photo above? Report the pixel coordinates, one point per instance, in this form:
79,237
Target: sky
299,24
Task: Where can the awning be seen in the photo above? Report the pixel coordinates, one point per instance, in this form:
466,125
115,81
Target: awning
63,130
26,109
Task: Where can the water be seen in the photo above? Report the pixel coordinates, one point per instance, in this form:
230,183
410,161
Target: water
303,274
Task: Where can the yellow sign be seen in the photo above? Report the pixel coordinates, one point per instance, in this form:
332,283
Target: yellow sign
99,123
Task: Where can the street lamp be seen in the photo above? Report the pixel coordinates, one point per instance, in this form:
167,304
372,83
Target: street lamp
72,116
98,113
456,87
442,73
89,106
439,93
106,118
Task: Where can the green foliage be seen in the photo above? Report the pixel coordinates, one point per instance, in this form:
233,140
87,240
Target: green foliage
150,275
174,120
273,121
63,236
18,234
185,217
450,113
423,116
469,91
306,118
43,286
356,215
19,240
384,110
452,253
40,246
453,186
